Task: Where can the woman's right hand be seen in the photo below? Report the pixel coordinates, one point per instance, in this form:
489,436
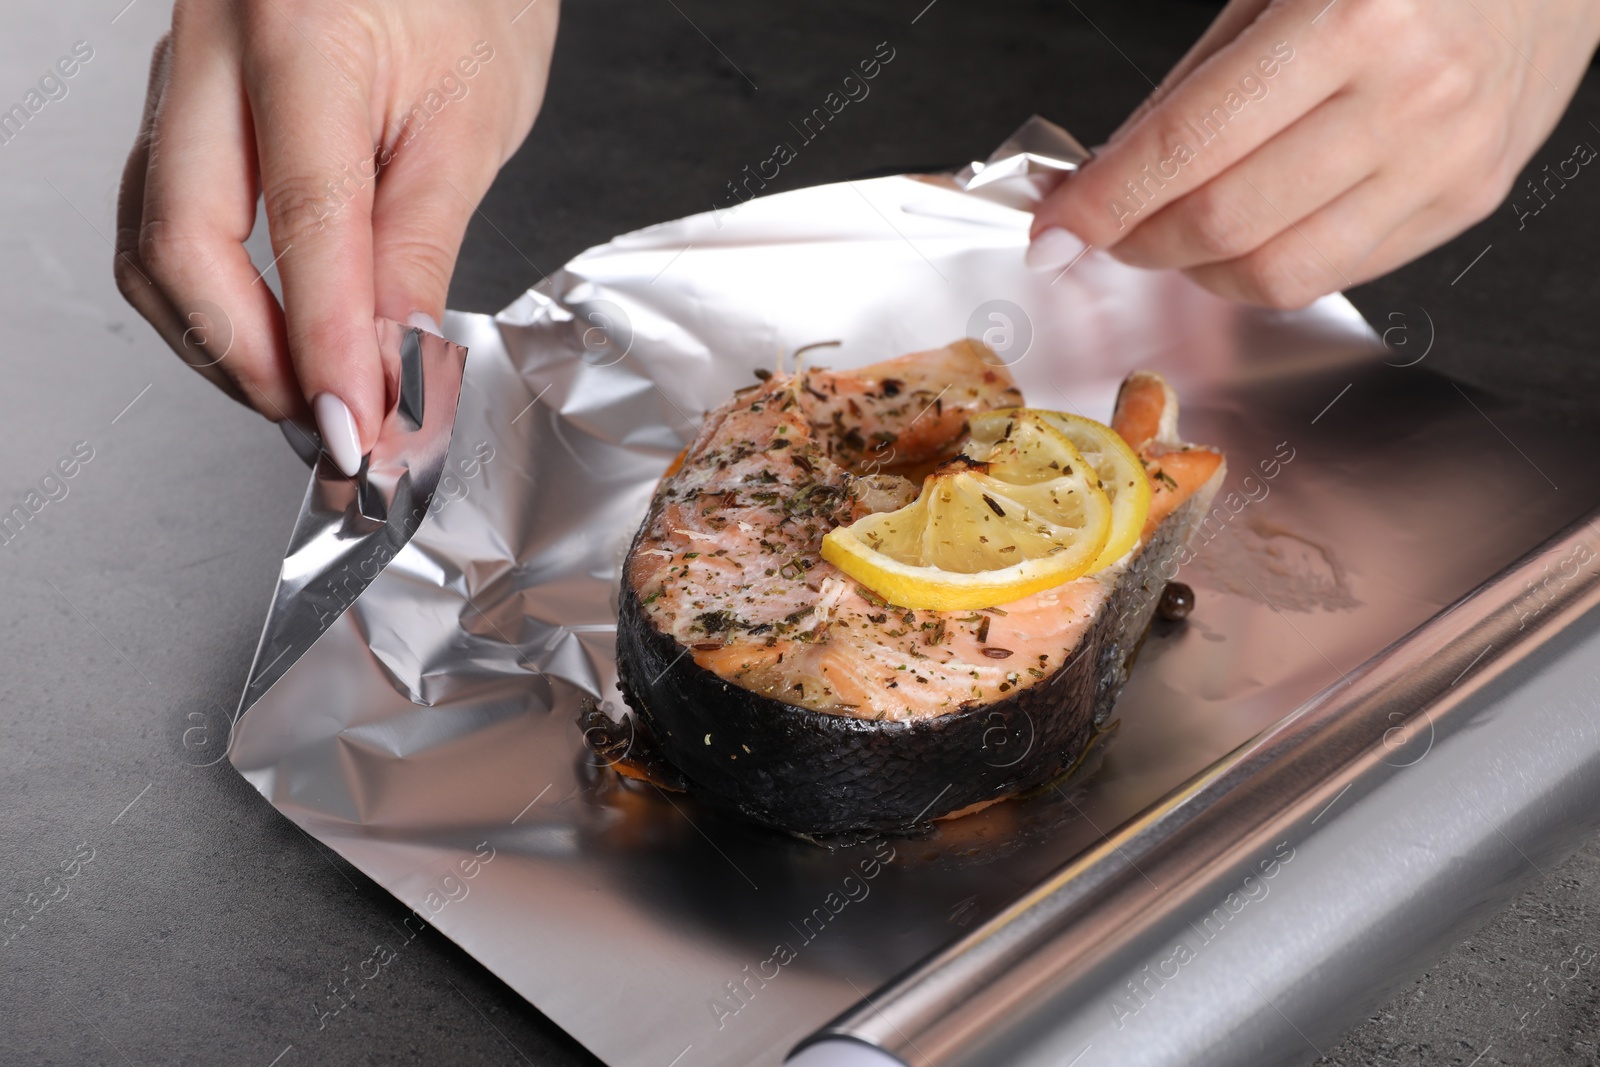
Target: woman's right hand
371,129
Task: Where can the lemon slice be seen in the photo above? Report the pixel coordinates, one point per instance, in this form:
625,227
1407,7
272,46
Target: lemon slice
1020,512
1121,475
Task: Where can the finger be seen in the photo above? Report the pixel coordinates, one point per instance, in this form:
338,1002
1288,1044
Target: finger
1244,94
1228,24
132,276
1323,253
198,209
430,187
437,170
1326,153
313,136
1427,230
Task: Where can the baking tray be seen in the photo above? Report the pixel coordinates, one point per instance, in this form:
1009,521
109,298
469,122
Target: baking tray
425,727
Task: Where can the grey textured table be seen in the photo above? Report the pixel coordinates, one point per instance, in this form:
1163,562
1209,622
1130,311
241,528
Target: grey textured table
205,928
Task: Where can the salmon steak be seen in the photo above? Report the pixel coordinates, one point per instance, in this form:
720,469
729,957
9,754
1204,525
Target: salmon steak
765,679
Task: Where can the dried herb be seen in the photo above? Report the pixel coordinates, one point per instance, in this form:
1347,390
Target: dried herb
716,622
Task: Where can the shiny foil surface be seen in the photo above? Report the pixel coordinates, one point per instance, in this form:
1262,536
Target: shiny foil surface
428,732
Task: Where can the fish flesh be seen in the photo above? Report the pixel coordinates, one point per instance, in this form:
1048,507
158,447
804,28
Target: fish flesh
776,685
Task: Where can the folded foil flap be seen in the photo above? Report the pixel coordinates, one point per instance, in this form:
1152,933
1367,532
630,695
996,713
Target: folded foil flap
350,528
1026,165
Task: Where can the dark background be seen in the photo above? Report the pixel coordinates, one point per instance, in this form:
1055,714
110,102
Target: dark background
207,926
645,121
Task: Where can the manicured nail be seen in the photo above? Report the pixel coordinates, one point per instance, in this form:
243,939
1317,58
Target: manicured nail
424,321
339,435
1052,249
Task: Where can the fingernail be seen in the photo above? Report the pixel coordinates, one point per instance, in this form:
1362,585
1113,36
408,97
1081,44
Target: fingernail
339,435
424,321
1052,249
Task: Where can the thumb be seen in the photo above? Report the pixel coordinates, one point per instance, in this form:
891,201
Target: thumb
425,198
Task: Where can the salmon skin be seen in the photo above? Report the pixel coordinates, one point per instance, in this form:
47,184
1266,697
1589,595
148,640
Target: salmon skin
774,684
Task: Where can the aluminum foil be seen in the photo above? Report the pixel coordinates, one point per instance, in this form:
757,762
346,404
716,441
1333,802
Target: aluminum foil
429,732
349,529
